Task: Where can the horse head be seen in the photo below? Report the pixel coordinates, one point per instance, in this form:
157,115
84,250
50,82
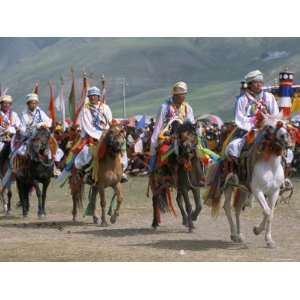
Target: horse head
39,144
187,139
276,130
115,139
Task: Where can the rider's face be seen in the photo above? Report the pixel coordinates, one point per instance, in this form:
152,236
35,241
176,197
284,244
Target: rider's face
5,106
94,99
178,99
256,86
32,105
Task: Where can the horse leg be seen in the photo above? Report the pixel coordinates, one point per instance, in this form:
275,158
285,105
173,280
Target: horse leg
75,208
180,205
44,196
156,212
198,204
238,209
188,208
272,203
227,209
94,191
39,196
9,196
267,211
119,194
25,199
4,201
103,207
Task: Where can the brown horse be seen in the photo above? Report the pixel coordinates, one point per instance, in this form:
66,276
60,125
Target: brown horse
108,170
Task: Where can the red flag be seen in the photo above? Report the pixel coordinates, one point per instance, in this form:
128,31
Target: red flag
51,106
35,88
85,87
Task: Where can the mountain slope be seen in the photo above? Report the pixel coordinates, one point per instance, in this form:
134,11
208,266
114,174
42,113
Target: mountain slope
212,67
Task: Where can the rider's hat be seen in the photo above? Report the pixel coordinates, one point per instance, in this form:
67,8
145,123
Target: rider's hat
6,98
179,88
94,91
32,97
254,75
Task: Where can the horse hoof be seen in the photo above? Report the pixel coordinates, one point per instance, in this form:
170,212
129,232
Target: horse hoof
184,222
25,216
154,226
95,220
8,213
41,216
240,238
256,231
113,219
103,224
234,238
194,216
271,244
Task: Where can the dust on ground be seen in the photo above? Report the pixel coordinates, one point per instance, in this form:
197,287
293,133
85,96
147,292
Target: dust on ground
57,238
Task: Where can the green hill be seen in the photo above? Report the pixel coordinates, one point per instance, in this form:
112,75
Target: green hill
212,67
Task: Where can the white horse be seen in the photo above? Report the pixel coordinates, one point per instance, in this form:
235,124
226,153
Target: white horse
267,177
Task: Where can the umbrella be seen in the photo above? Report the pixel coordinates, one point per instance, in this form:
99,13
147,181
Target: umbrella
212,119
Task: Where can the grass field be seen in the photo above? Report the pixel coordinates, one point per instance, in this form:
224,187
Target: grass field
57,238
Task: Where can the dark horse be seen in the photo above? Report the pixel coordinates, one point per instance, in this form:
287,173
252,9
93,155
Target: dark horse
5,193
190,174
35,168
181,170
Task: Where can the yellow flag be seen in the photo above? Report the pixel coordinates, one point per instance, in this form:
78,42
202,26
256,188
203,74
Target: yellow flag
296,103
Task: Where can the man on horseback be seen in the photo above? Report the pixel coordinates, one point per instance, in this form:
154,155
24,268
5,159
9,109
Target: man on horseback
32,119
249,109
174,107
9,125
95,117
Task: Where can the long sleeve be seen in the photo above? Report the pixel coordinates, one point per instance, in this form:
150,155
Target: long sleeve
274,109
241,119
190,114
157,128
45,119
108,113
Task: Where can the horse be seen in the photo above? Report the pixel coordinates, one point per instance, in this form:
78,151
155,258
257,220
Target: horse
108,170
190,173
36,167
265,177
6,192
173,173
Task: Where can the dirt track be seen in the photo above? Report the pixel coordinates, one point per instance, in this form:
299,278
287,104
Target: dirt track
56,238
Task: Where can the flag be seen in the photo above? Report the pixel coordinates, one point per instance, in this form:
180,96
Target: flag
141,123
84,90
51,106
60,104
35,88
296,103
103,89
72,99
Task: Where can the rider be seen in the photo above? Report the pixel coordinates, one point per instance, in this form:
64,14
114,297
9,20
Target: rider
9,125
175,106
33,118
248,112
94,118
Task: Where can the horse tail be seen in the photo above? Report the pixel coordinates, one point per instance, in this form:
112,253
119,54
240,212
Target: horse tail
77,188
212,197
236,198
